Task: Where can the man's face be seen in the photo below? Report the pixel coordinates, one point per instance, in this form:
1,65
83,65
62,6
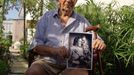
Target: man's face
67,5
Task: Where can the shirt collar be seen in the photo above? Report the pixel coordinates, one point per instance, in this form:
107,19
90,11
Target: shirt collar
55,13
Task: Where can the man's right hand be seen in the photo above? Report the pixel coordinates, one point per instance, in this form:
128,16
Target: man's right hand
62,52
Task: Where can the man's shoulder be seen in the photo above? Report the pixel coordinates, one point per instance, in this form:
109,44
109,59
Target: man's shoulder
50,13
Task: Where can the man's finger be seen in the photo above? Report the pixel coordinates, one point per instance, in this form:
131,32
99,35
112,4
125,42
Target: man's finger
100,46
94,43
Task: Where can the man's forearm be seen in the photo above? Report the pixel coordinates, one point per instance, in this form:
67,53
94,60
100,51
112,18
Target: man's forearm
51,51
44,50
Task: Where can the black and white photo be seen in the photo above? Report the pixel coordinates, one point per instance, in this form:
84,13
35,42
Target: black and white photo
81,55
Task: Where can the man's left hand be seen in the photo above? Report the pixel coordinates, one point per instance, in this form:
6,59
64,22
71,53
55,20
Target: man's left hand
98,45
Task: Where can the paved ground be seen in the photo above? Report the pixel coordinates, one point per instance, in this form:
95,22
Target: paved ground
19,65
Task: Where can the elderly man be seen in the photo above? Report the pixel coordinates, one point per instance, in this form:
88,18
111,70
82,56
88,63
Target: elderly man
51,40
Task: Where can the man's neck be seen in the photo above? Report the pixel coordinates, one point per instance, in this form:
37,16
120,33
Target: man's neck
64,16
65,13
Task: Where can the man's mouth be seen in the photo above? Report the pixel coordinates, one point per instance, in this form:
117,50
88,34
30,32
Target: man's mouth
66,8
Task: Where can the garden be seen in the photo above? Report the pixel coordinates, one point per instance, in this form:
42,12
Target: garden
117,30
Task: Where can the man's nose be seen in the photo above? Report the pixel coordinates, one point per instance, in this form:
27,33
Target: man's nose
68,0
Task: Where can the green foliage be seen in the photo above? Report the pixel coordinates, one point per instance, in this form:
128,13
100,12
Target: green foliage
117,30
5,43
4,46
50,4
4,55
3,68
91,12
1,4
24,49
36,9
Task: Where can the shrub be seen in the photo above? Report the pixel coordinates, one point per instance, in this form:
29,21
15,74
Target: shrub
117,30
4,68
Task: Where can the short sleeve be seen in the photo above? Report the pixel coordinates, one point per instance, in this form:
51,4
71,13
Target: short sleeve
39,38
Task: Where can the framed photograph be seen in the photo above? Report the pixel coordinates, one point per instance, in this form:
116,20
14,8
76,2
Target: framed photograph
80,48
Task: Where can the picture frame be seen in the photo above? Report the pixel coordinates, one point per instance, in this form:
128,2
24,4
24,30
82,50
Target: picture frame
80,50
